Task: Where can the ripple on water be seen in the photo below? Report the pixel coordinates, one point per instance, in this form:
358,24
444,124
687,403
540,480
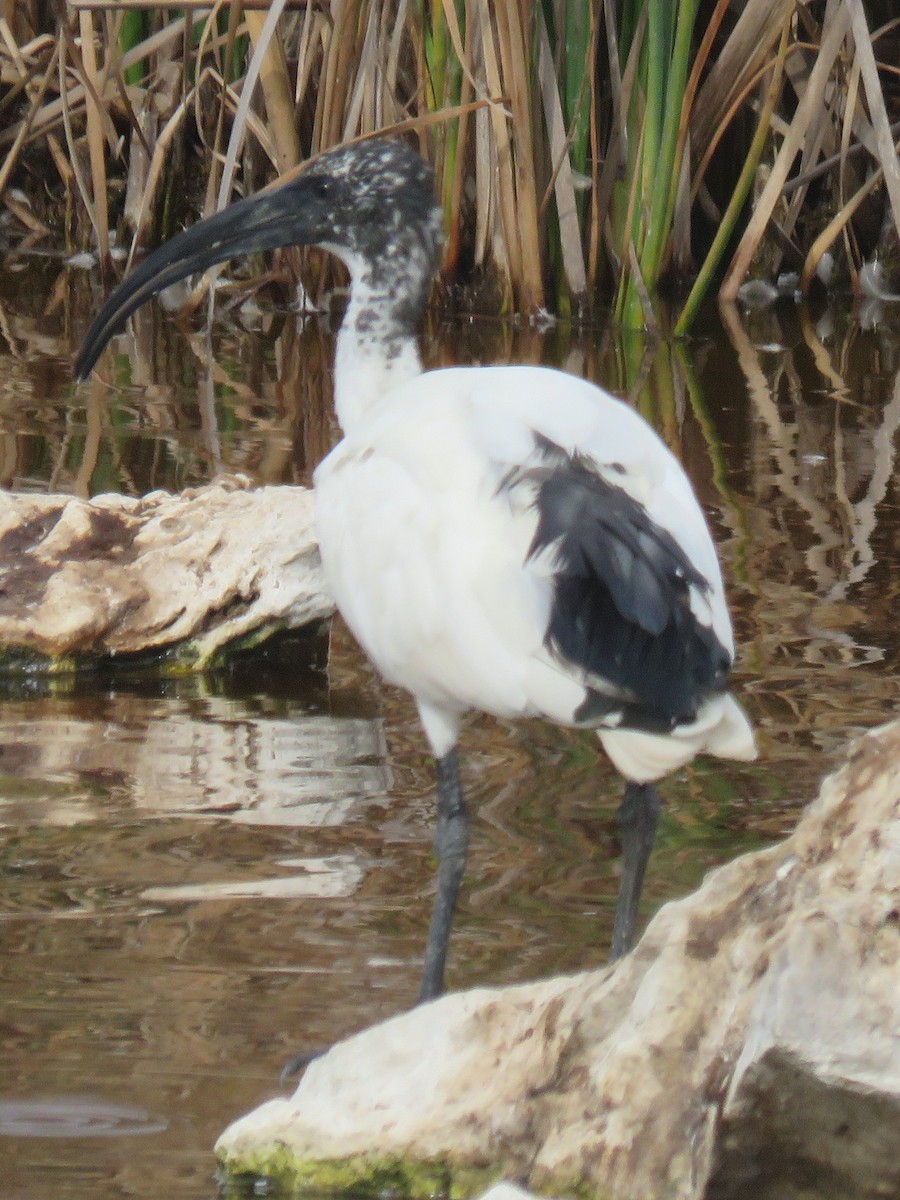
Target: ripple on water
75,1117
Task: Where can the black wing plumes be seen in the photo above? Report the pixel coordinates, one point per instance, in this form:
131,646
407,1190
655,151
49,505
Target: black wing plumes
621,608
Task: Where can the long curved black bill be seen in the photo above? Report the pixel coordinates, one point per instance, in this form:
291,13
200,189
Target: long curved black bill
293,214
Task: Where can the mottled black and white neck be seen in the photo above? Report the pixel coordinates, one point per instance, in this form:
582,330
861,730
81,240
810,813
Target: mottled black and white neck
372,205
387,229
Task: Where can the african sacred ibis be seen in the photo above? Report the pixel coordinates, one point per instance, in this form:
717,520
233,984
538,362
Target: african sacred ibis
511,539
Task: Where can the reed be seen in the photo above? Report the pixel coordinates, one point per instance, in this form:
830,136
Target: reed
588,152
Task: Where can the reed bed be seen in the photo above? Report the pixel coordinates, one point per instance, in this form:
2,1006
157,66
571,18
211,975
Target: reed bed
588,152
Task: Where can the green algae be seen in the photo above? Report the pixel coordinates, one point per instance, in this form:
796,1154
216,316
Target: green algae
367,1177
276,1170
18,660
186,657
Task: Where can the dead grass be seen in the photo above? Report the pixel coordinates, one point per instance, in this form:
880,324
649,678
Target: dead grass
570,165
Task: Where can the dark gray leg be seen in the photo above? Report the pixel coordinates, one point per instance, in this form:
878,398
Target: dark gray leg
451,841
638,816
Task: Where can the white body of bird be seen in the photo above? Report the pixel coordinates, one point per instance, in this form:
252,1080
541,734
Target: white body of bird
428,552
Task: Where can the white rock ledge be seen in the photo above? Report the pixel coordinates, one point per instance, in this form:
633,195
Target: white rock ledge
184,576
749,1046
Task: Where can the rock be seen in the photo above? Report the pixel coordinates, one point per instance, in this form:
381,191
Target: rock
180,576
748,1046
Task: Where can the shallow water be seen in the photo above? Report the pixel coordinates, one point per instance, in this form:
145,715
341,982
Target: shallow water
200,877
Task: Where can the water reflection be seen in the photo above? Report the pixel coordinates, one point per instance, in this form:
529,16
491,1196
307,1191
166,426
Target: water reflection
200,877
171,757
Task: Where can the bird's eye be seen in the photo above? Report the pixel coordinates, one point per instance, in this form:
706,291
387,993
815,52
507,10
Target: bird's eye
320,186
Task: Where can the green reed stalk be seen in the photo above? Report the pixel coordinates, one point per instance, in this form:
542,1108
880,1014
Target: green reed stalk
132,33
577,99
443,89
656,114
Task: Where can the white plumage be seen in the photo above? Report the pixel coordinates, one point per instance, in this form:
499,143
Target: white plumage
510,539
428,556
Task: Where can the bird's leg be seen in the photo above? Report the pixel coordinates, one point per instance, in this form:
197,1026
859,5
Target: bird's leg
638,816
451,842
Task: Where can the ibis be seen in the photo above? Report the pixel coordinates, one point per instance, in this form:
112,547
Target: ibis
510,539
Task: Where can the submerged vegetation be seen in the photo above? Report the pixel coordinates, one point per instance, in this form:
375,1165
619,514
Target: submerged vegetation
587,151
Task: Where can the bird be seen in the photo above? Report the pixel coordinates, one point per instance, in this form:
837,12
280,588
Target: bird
511,539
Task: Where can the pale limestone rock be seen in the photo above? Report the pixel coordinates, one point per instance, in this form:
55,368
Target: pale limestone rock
506,1191
183,575
749,1046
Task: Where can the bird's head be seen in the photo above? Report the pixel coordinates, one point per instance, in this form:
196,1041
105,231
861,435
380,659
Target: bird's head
372,204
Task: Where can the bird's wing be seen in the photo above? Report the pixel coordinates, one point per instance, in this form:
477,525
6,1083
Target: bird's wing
638,603
520,411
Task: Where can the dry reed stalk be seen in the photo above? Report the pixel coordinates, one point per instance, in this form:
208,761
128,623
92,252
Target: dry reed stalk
340,44
847,127
564,188
819,138
276,87
229,52
738,101
70,144
503,103
260,62
835,34
838,224
362,99
18,57
514,58
94,117
202,6
36,228
72,96
741,190
310,36
748,48
36,99
140,153
887,156
61,162
158,160
500,155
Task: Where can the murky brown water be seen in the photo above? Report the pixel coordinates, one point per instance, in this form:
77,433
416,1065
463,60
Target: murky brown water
198,878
